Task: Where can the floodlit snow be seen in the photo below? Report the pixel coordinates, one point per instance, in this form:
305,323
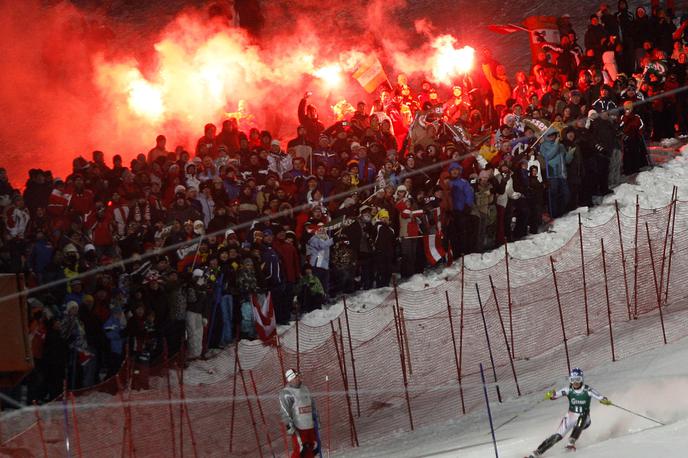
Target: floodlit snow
652,384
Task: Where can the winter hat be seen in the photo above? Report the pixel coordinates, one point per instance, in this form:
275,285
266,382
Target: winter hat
275,142
71,305
179,188
355,145
401,188
454,166
89,247
382,214
199,227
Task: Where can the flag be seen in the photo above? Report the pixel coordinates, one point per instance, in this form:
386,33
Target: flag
434,251
504,29
370,74
264,316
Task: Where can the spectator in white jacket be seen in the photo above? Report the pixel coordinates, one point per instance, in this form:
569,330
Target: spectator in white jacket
318,254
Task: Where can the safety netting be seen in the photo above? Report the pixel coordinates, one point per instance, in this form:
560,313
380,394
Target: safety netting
613,290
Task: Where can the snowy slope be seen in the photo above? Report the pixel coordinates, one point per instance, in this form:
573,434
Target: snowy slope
652,383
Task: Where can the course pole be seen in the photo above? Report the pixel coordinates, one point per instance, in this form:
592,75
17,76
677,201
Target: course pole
489,346
658,294
456,356
623,258
606,292
585,282
561,314
489,412
506,340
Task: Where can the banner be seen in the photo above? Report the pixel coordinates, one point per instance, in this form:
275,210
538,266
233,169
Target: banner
434,251
543,30
370,75
264,316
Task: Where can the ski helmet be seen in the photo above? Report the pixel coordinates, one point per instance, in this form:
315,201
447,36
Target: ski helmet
576,375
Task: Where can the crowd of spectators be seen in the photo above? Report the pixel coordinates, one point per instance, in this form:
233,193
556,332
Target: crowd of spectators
337,208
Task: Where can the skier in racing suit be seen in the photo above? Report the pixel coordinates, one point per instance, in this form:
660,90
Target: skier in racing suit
578,417
296,409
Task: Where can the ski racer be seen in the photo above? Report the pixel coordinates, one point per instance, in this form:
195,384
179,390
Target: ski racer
577,418
297,409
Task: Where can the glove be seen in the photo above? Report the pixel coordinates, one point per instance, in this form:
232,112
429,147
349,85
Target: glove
549,395
291,429
605,402
205,322
516,195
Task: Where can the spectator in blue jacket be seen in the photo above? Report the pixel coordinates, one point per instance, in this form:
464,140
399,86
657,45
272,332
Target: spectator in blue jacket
463,199
556,158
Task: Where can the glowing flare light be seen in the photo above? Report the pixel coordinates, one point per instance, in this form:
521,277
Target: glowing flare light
331,75
449,61
145,99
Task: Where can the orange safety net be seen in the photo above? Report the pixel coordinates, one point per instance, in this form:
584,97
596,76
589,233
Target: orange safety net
397,366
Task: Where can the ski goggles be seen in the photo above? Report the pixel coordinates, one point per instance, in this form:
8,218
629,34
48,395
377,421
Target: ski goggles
576,379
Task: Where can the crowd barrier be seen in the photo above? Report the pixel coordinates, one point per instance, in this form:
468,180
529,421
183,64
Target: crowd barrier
613,290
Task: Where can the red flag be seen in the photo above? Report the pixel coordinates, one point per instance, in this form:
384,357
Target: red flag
504,29
434,251
264,316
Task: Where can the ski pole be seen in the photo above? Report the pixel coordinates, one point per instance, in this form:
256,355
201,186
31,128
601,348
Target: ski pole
638,415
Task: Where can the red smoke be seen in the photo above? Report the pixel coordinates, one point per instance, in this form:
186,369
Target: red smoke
67,90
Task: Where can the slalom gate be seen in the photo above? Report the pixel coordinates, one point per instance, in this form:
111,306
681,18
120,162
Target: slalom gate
612,291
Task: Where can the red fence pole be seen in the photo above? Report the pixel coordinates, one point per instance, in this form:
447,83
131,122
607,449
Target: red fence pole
508,295
623,259
250,409
506,340
397,324
39,424
77,436
403,369
635,259
298,350
671,249
489,346
185,409
281,358
346,375
169,397
463,266
262,415
456,356
126,434
327,412
345,383
234,389
404,334
585,282
666,238
561,314
353,360
286,441
606,292
654,276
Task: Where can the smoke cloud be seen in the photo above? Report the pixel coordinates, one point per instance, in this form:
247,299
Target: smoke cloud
69,85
